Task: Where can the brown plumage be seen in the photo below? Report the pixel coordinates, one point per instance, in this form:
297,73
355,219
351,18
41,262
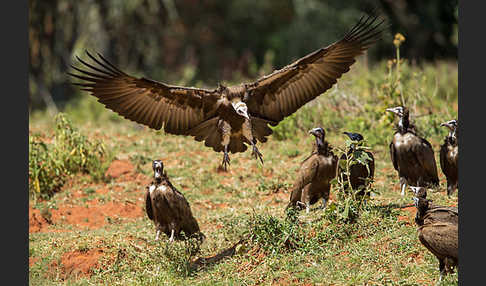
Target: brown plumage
168,208
360,174
412,155
441,239
227,118
449,156
315,175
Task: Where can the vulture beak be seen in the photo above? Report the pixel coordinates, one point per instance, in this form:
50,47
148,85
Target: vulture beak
448,124
314,132
394,110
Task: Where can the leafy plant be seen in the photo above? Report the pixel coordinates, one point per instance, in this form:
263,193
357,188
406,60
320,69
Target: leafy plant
69,153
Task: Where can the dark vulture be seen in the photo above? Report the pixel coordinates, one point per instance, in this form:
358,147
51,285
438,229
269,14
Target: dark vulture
449,154
421,192
427,214
315,175
412,155
441,239
168,208
361,171
229,118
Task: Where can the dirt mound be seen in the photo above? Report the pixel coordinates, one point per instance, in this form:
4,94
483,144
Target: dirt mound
118,168
37,223
93,216
78,263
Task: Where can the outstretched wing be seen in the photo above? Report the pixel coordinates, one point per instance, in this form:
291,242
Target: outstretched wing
275,96
145,101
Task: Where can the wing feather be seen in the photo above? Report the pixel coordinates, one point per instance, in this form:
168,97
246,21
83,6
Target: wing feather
311,75
155,104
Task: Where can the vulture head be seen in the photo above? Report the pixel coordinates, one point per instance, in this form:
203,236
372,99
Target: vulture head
452,125
419,192
241,109
320,134
400,111
354,136
158,168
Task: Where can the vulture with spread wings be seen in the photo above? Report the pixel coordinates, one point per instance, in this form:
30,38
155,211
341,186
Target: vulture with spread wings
227,118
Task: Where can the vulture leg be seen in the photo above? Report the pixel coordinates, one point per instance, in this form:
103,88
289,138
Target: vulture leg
324,203
226,159
171,239
256,153
403,185
307,207
442,269
157,235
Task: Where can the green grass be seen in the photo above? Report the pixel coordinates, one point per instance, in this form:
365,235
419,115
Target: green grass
380,247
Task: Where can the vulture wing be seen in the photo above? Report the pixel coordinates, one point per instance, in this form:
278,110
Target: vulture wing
393,155
148,205
440,238
277,95
145,101
425,156
308,171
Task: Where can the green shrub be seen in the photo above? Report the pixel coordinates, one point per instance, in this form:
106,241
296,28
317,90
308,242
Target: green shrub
69,153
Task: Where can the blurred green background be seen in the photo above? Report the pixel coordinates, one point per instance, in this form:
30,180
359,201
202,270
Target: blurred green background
203,42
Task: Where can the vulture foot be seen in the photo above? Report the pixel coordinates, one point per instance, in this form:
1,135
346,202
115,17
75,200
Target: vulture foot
257,153
226,161
157,235
171,239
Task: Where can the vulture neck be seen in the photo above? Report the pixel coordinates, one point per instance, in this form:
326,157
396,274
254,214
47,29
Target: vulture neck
421,210
321,146
403,123
452,137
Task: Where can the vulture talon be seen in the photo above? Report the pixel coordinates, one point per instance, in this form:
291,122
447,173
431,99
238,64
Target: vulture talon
226,161
257,153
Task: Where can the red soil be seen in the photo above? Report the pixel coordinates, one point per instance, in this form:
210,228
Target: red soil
77,263
119,168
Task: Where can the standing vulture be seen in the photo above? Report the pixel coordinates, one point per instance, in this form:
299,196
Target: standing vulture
441,239
412,155
227,118
362,169
168,208
449,154
315,175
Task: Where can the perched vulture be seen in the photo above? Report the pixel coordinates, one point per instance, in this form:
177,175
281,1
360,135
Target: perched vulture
412,155
168,208
449,153
427,214
315,175
441,239
360,174
227,118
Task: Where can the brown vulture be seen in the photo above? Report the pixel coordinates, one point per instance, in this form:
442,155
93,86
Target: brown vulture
412,155
441,239
168,208
229,118
428,213
315,174
361,169
449,154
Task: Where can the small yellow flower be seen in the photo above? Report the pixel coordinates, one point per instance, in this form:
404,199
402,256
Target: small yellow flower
398,40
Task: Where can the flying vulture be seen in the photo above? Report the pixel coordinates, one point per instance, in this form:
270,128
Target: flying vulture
227,118
449,153
168,208
427,214
412,155
362,169
441,239
315,175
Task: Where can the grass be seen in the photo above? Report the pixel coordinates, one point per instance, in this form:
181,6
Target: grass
379,247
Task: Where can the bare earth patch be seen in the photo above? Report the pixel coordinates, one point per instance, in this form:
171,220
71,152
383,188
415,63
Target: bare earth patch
77,263
118,168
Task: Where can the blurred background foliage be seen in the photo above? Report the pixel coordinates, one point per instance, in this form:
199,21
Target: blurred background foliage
202,42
